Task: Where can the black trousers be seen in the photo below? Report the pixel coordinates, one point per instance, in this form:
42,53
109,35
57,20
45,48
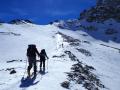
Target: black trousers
32,62
42,63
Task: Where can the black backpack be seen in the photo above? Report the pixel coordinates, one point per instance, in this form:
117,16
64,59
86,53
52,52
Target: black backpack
31,51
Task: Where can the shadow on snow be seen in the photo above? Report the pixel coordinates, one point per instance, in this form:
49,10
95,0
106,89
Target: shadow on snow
27,82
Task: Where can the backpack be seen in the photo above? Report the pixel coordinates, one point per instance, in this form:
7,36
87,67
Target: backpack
31,51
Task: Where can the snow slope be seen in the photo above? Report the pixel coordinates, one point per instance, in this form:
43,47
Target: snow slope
14,40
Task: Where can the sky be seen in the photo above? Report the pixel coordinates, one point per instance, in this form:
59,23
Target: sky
43,11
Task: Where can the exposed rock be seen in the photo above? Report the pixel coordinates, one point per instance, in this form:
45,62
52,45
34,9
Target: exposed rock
87,42
59,56
9,69
69,24
71,56
84,51
70,40
111,31
10,33
14,61
89,67
65,84
20,21
81,74
13,72
104,10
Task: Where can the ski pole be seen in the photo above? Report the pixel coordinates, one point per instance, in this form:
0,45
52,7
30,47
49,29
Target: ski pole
47,64
25,67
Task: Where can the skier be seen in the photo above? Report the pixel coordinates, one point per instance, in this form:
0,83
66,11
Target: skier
62,45
43,57
31,54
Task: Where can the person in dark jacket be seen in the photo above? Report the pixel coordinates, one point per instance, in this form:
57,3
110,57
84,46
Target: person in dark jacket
43,57
31,54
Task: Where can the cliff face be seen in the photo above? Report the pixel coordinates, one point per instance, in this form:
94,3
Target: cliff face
113,3
104,10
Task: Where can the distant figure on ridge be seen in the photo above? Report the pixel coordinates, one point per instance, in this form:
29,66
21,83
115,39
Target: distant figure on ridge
31,54
43,57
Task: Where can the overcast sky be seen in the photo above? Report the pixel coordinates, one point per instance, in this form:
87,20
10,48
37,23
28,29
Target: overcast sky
42,11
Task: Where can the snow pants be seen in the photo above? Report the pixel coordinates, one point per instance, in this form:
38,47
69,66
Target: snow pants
32,62
42,63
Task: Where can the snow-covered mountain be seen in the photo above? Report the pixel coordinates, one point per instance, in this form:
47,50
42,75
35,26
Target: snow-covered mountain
82,55
20,21
106,31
